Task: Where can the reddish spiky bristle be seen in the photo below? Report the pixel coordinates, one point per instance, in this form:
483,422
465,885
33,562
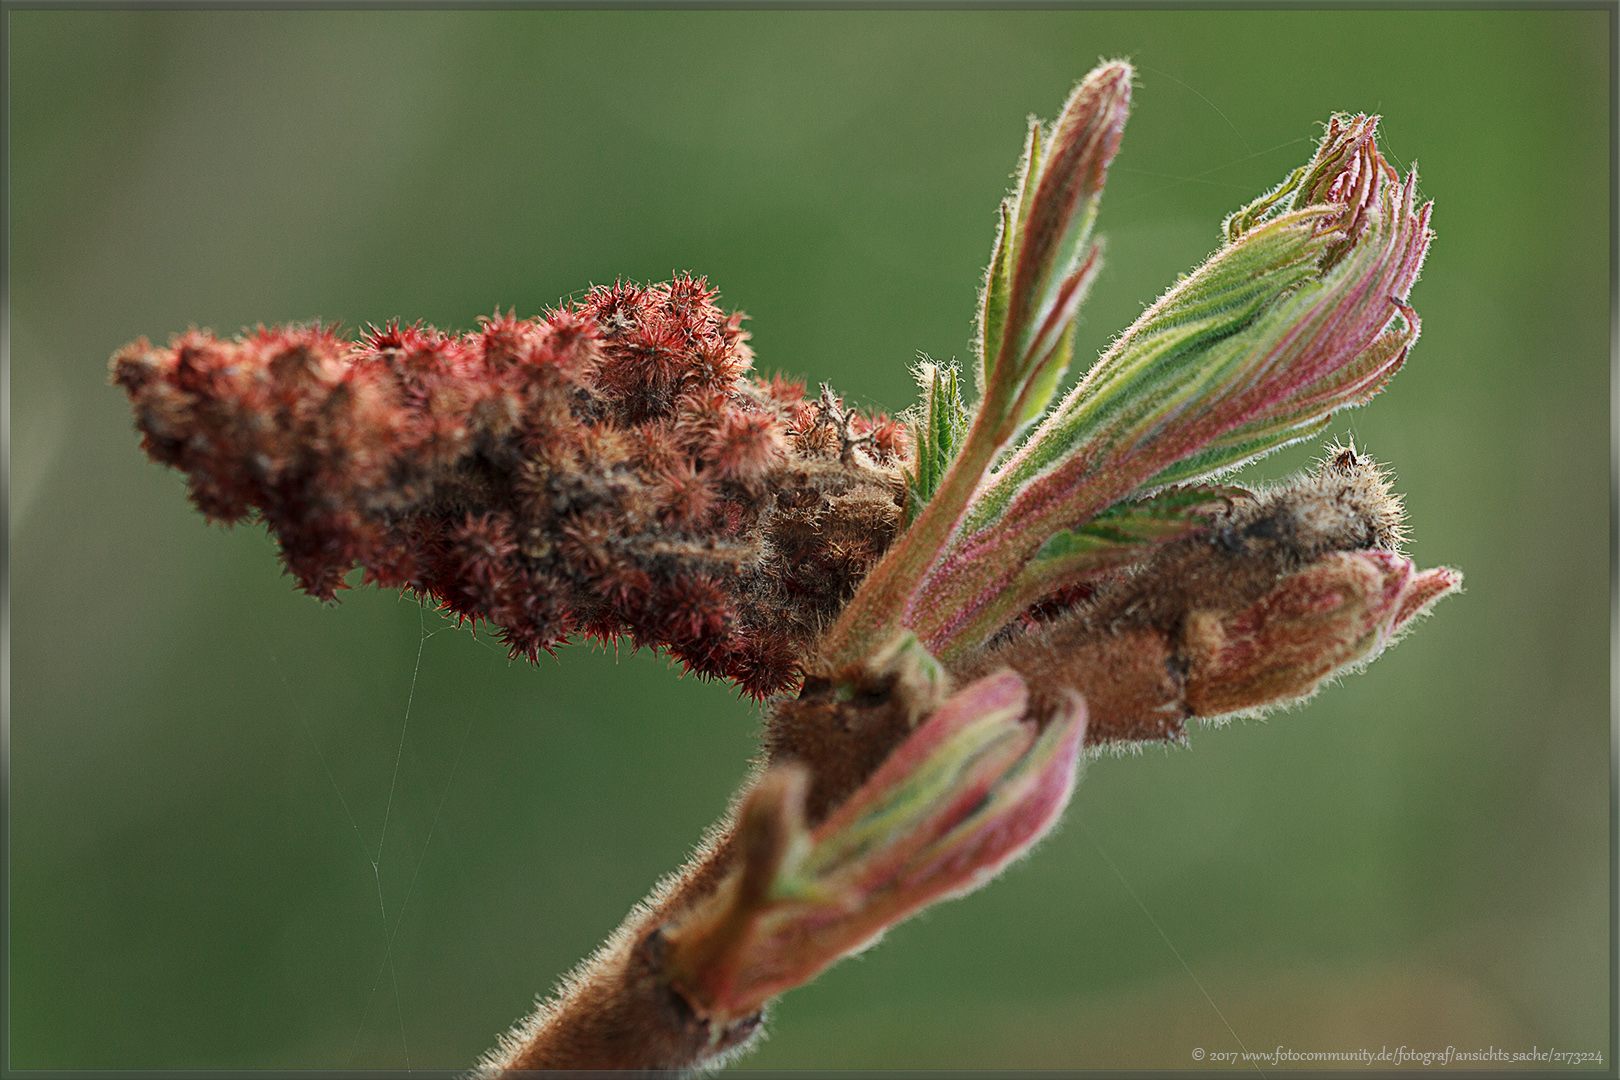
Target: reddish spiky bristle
609,468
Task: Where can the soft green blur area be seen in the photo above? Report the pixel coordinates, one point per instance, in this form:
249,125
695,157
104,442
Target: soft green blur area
248,831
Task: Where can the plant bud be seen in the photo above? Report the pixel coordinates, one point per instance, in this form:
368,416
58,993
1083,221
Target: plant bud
972,788
1335,615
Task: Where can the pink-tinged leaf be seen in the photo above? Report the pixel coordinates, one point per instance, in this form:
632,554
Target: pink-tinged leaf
992,702
1420,596
972,788
1059,219
1054,345
1338,613
1026,804
1303,312
1051,260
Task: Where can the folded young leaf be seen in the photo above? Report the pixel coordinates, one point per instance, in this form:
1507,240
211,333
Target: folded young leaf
1050,260
937,433
971,789
1042,264
1301,313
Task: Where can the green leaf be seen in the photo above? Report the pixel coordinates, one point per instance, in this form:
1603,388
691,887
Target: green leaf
999,276
993,304
938,431
1241,221
1050,373
1205,335
1238,448
1029,175
1120,533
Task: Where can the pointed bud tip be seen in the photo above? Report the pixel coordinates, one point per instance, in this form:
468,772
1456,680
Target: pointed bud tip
1102,99
770,821
1115,75
1423,591
1335,615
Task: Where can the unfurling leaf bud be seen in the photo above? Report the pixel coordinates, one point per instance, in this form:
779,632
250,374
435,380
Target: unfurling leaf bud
1301,313
1049,260
1277,591
1337,614
940,427
1042,264
972,788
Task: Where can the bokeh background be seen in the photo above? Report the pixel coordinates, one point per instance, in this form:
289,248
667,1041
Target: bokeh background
249,831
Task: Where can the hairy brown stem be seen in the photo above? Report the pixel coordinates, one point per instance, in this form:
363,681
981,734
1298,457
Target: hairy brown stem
1140,652
619,1010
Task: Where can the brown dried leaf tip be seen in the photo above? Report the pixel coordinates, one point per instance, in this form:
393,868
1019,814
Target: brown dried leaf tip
972,595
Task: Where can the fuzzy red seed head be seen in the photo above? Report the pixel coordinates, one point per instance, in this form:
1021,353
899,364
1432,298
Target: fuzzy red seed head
698,416
603,469
566,343
685,499
502,338
479,562
693,607
781,389
616,308
688,296
626,586
716,364
764,664
603,450
888,440
746,445
654,449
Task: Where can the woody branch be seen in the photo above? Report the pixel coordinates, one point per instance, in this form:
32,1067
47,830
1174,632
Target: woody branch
961,600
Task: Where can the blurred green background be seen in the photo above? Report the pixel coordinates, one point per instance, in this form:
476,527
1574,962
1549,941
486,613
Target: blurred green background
229,846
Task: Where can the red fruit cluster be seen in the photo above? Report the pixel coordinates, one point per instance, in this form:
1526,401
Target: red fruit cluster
609,469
